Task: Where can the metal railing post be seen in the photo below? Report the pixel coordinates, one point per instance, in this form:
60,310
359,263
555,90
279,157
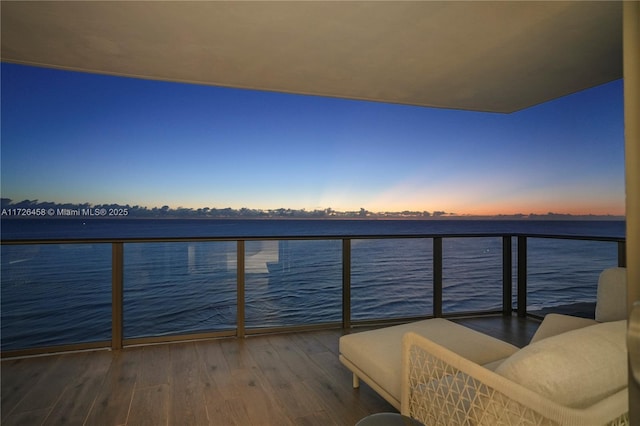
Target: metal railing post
117,274
240,273
622,254
507,276
437,276
346,283
522,276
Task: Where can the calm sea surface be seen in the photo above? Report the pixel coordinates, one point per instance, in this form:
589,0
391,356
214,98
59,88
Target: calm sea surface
61,293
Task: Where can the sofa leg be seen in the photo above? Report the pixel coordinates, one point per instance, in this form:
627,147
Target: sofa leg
356,381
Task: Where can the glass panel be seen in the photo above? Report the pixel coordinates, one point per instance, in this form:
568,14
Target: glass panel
179,288
471,274
562,275
391,278
55,295
293,283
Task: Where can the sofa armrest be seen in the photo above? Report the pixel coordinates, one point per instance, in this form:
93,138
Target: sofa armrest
554,324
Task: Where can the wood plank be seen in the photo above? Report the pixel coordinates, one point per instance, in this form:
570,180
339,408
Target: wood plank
274,368
308,343
222,400
153,371
78,397
305,405
150,406
341,403
258,399
330,339
331,385
296,359
259,404
230,412
188,380
19,376
300,403
26,418
111,406
232,398
217,369
55,377
236,353
340,378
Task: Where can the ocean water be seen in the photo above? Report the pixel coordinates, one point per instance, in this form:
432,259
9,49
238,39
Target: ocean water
61,293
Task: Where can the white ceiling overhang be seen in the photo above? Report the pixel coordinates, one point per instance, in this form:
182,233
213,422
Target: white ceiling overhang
486,56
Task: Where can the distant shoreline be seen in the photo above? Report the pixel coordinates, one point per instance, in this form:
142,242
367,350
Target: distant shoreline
382,218
33,209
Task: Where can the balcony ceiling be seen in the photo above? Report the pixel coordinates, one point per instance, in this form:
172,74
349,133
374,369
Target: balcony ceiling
487,56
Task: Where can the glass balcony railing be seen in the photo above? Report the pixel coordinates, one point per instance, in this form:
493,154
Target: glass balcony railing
79,294
292,283
565,272
68,285
178,288
378,266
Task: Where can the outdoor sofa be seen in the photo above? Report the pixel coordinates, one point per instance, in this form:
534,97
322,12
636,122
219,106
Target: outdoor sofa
574,370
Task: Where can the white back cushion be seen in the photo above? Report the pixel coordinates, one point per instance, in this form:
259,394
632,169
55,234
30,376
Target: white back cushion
577,368
612,295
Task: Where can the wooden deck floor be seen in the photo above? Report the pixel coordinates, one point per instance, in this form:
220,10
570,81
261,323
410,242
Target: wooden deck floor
279,379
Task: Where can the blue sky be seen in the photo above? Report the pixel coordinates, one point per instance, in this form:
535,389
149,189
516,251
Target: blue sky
72,137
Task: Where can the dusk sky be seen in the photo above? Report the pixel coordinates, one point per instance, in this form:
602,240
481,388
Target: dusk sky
73,137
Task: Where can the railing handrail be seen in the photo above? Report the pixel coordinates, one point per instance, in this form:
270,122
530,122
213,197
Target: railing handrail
28,241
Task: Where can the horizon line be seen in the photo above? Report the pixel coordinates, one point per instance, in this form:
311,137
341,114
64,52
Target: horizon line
36,209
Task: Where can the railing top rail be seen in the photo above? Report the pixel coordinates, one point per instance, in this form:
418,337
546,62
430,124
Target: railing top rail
297,237
574,237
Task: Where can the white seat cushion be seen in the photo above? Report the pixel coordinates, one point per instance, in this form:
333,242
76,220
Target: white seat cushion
378,353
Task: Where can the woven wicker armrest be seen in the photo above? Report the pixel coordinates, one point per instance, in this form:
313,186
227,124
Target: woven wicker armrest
440,387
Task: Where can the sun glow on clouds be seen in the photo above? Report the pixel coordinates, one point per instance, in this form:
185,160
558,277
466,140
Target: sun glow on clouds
464,194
